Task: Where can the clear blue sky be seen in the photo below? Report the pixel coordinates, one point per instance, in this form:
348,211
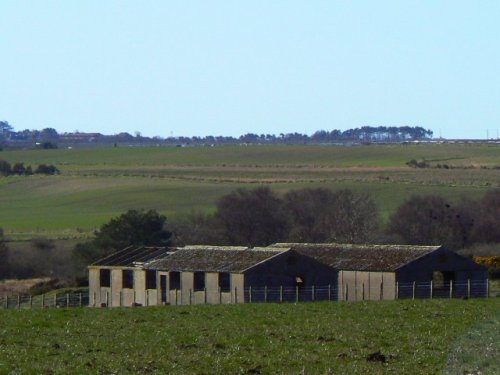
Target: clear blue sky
231,67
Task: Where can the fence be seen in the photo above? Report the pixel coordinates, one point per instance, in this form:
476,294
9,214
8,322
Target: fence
45,300
409,290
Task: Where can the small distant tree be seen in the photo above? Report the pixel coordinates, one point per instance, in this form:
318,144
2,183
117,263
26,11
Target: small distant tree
18,169
5,168
46,169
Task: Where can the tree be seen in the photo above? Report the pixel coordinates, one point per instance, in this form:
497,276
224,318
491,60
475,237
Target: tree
431,220
5,130
196,228
5,168
321,215
135,227
252,217
487,222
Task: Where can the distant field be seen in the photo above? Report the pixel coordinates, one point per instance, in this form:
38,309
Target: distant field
97,184
410,337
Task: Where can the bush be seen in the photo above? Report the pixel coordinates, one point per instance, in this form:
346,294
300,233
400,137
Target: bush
46,169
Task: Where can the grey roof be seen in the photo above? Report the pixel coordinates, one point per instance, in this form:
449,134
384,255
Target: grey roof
133,255
361,257
214,259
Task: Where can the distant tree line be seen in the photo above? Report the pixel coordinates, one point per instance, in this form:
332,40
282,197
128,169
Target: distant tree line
49,137
18,169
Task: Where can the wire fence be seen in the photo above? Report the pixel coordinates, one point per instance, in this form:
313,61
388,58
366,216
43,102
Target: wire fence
45,301
281,294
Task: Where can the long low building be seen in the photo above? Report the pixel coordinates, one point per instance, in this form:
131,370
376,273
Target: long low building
280,272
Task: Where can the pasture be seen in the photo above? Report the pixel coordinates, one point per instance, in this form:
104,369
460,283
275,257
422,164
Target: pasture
423,336
98,183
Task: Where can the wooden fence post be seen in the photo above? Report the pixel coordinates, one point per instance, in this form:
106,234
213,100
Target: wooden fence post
397,290
67,299
414,286
43,301
296,294
176,297
381,291
80,300
451,289
313,293
329,292
346,292
250,294
430,292
487,288
6,301
205,296
265,294
363,291
190,296
18,301
107,299
281,293
31,301
468,288
235,295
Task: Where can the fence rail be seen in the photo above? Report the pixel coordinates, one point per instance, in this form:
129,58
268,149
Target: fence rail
45,301
359,292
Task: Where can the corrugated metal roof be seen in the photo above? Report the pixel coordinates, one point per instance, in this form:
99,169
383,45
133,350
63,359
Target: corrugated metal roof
133,255
361,257
210,259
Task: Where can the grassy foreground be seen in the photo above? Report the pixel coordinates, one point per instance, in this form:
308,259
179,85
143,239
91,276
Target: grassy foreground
413,337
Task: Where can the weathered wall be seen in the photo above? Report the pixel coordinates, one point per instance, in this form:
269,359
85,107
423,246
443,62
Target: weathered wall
94,287
283,269
365,285
441,260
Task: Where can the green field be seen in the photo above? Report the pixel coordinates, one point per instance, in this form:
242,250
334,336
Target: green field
413,337
97,184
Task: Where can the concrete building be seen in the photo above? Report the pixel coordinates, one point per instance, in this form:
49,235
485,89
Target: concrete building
373,272
121,280
202,274
281,272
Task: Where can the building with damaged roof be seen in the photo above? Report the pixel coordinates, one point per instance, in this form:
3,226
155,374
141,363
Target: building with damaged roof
280,272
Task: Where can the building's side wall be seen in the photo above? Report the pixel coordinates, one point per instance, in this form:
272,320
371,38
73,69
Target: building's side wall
283,269
441,260
366,285
237,288
116,287
186,295
187,284
466,277
94,287
140,286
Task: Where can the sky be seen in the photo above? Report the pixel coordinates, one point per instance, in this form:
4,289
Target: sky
196,68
